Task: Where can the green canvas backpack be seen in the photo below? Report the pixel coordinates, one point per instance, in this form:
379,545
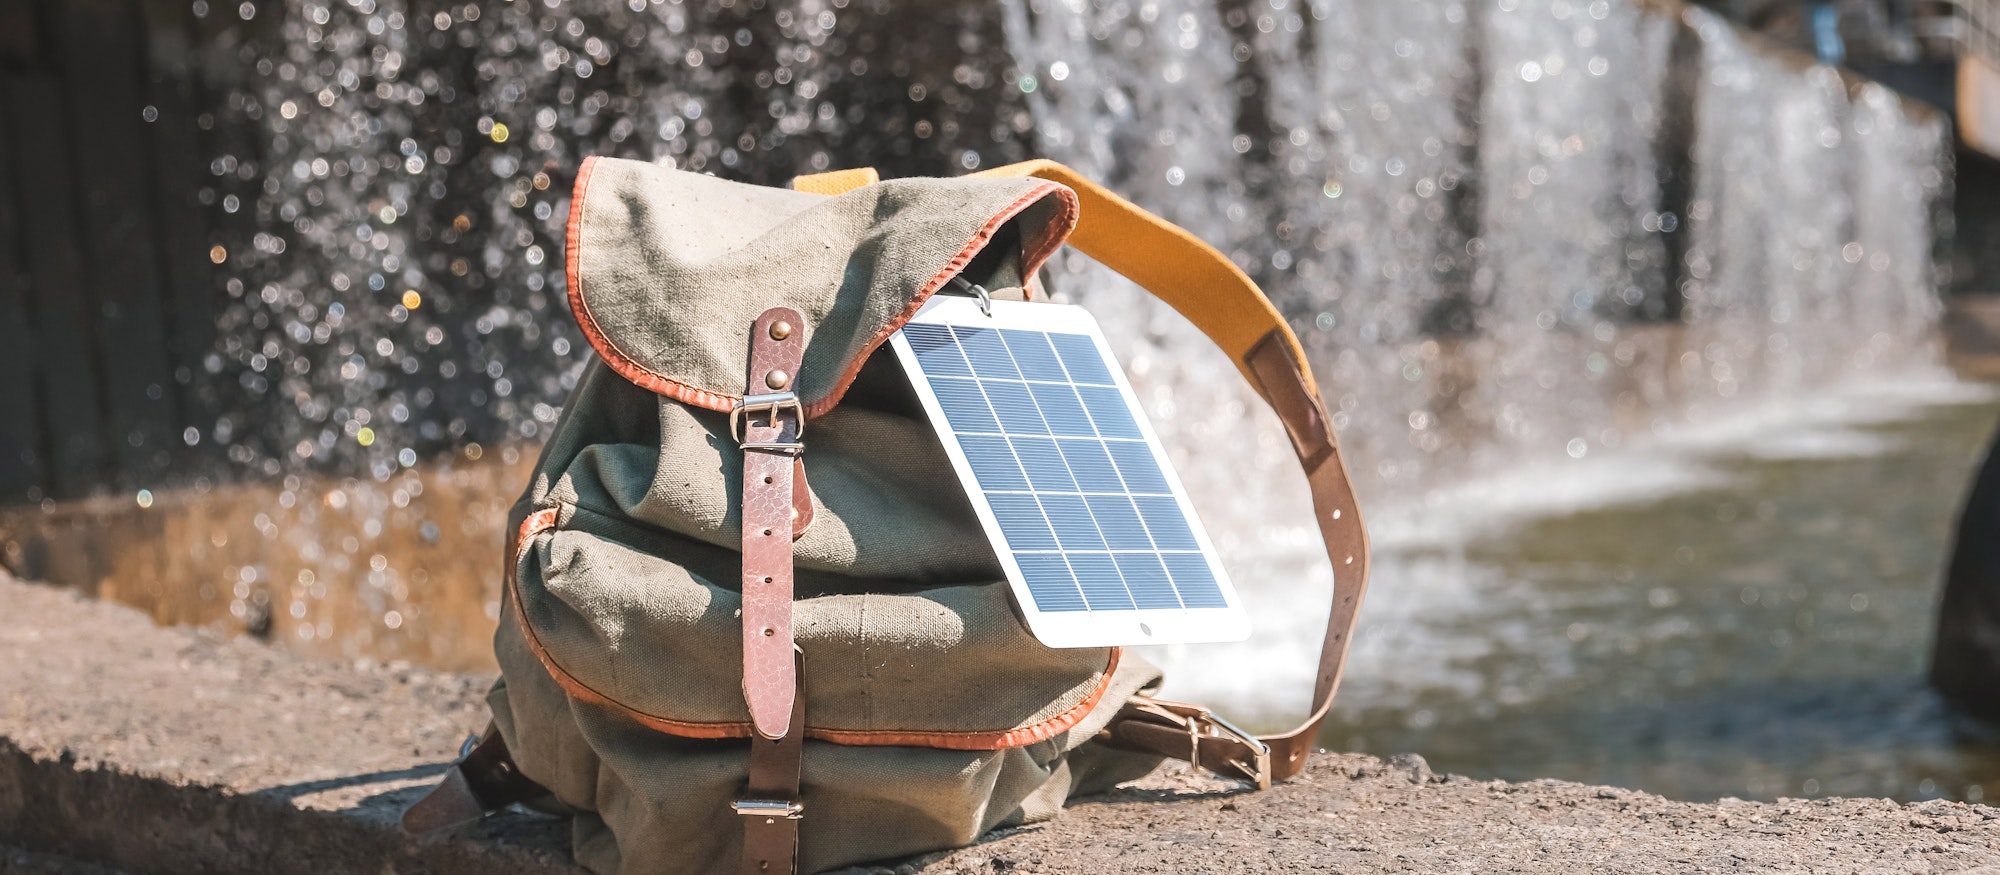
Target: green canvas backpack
751,618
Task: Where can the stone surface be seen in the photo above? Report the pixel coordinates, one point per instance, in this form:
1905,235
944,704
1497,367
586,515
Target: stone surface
126,747
169,750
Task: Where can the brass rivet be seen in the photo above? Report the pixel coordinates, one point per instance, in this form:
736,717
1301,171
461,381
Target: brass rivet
781,330
777,379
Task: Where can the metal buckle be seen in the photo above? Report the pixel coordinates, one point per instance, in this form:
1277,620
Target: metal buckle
1260,772
769,403
768,808
1202,722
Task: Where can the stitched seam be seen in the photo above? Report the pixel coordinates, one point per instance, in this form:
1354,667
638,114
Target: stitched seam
1053,240
623,364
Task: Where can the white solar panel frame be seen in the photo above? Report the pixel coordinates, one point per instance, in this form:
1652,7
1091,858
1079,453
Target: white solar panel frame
1085,628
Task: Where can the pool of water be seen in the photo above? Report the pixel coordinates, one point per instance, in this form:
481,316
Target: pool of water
1741,607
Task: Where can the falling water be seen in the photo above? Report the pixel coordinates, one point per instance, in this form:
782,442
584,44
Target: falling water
1508,233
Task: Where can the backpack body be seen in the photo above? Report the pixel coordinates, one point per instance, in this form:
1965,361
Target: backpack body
932,714
636,692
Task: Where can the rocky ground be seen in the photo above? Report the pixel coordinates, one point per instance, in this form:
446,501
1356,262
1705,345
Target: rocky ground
125,747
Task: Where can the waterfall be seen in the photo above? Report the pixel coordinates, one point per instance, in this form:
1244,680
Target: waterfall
1508,233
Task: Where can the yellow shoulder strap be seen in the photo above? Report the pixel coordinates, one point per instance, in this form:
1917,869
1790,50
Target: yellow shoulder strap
836,181
1222,301
1163,258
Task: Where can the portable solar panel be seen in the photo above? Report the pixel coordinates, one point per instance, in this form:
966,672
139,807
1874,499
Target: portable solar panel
1098,538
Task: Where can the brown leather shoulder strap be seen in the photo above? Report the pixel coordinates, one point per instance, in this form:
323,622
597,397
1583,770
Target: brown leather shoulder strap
1278,377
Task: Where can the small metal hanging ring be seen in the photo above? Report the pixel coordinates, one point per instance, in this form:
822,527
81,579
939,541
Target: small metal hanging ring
985,297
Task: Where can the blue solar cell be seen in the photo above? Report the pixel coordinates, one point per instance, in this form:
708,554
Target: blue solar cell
1147,579
964,405
1136,465
1108,412
1165,522
1044,464
1049,578
1195,581
993,462
1071,519
1015,407
1057,451
1061,409
1033,355
1100,581
1090,466
937,351
1081,358
1119,522
988,355
1021,521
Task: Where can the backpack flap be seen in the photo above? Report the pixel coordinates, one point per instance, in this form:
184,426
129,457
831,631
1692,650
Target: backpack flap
668,269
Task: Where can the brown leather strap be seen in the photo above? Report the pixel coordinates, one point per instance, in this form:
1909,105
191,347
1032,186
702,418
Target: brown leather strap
1197,735
484,780
1282,379
802,498
770,806
1192,734
769,425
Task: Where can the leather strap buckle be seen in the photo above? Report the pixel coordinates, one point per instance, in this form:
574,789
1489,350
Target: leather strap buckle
772,403
1152,725
1257,771
769,808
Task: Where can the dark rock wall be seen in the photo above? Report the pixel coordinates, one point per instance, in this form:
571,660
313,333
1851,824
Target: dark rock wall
1965,665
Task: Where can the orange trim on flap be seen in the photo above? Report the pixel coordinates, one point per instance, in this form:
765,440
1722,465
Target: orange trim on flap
660,384
1043,248
624,365
544,520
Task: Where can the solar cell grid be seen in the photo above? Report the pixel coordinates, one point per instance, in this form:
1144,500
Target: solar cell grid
1065,469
